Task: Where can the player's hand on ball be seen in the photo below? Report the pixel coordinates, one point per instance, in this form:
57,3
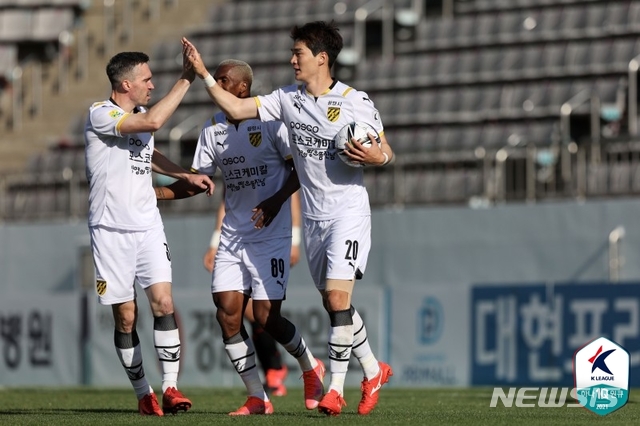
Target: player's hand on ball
365,154
357,144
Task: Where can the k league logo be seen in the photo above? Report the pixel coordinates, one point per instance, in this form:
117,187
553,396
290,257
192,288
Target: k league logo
601,375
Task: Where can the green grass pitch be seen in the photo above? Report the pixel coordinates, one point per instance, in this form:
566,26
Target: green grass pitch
95,407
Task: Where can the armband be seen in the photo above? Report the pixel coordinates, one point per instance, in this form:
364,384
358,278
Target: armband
296,237
386,159
215,239
209,81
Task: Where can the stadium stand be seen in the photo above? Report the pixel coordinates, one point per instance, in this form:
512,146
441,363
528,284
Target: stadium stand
492,100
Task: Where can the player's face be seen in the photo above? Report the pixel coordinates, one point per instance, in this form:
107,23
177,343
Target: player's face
305,64
227,77
140,85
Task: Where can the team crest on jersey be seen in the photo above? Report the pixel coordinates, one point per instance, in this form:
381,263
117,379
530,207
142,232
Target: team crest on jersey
333,113
255,139
115,113
101,287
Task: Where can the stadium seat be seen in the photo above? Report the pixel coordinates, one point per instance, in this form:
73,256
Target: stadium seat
15,24
48,23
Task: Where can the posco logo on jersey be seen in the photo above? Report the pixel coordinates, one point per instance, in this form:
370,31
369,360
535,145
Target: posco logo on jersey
233,160
138,142
305,127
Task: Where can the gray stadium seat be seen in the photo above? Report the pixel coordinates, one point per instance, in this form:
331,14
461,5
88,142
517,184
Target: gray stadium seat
470,138
624,49
8,58
48,23
491,102
619,178
578,57
632,23
403,141
490,63
573,21
509,23
602,56
454,185
553,59
15,25
541,133
492,136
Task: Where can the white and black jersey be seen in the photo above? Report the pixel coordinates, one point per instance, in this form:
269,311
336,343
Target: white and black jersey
251,157
328,186
118,167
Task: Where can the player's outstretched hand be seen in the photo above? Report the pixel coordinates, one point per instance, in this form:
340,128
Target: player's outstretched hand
192,55
188,72
201,181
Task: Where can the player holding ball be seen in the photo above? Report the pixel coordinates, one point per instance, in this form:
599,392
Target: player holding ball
335,203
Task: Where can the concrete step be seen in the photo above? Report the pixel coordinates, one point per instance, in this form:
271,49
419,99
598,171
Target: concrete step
63,101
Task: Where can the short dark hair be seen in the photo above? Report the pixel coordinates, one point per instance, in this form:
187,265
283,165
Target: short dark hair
320,36
121,65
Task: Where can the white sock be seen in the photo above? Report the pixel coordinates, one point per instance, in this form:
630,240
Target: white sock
166,339
340,343
243,357
167,345
361,348
297,347
130,354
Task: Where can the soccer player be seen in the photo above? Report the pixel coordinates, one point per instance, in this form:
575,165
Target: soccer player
335,203
252,261
275,371
127,234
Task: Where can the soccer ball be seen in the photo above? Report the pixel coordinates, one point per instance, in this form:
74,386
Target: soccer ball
359,131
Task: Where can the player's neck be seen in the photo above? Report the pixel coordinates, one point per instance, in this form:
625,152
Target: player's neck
319,85
122,101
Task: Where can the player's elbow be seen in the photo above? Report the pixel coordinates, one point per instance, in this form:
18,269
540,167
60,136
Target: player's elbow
241,109
154,124
235,113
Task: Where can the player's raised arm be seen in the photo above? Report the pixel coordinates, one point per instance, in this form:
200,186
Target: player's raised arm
233,107
157,115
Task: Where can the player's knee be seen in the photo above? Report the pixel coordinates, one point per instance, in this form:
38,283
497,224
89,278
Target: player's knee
230,323
265,320
124,317
124,324
337,300
163,306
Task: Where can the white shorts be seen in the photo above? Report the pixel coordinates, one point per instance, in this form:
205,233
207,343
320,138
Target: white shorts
337,248
123,258
259,269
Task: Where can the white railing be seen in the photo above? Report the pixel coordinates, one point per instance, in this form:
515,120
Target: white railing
176,133
632,88
616,260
